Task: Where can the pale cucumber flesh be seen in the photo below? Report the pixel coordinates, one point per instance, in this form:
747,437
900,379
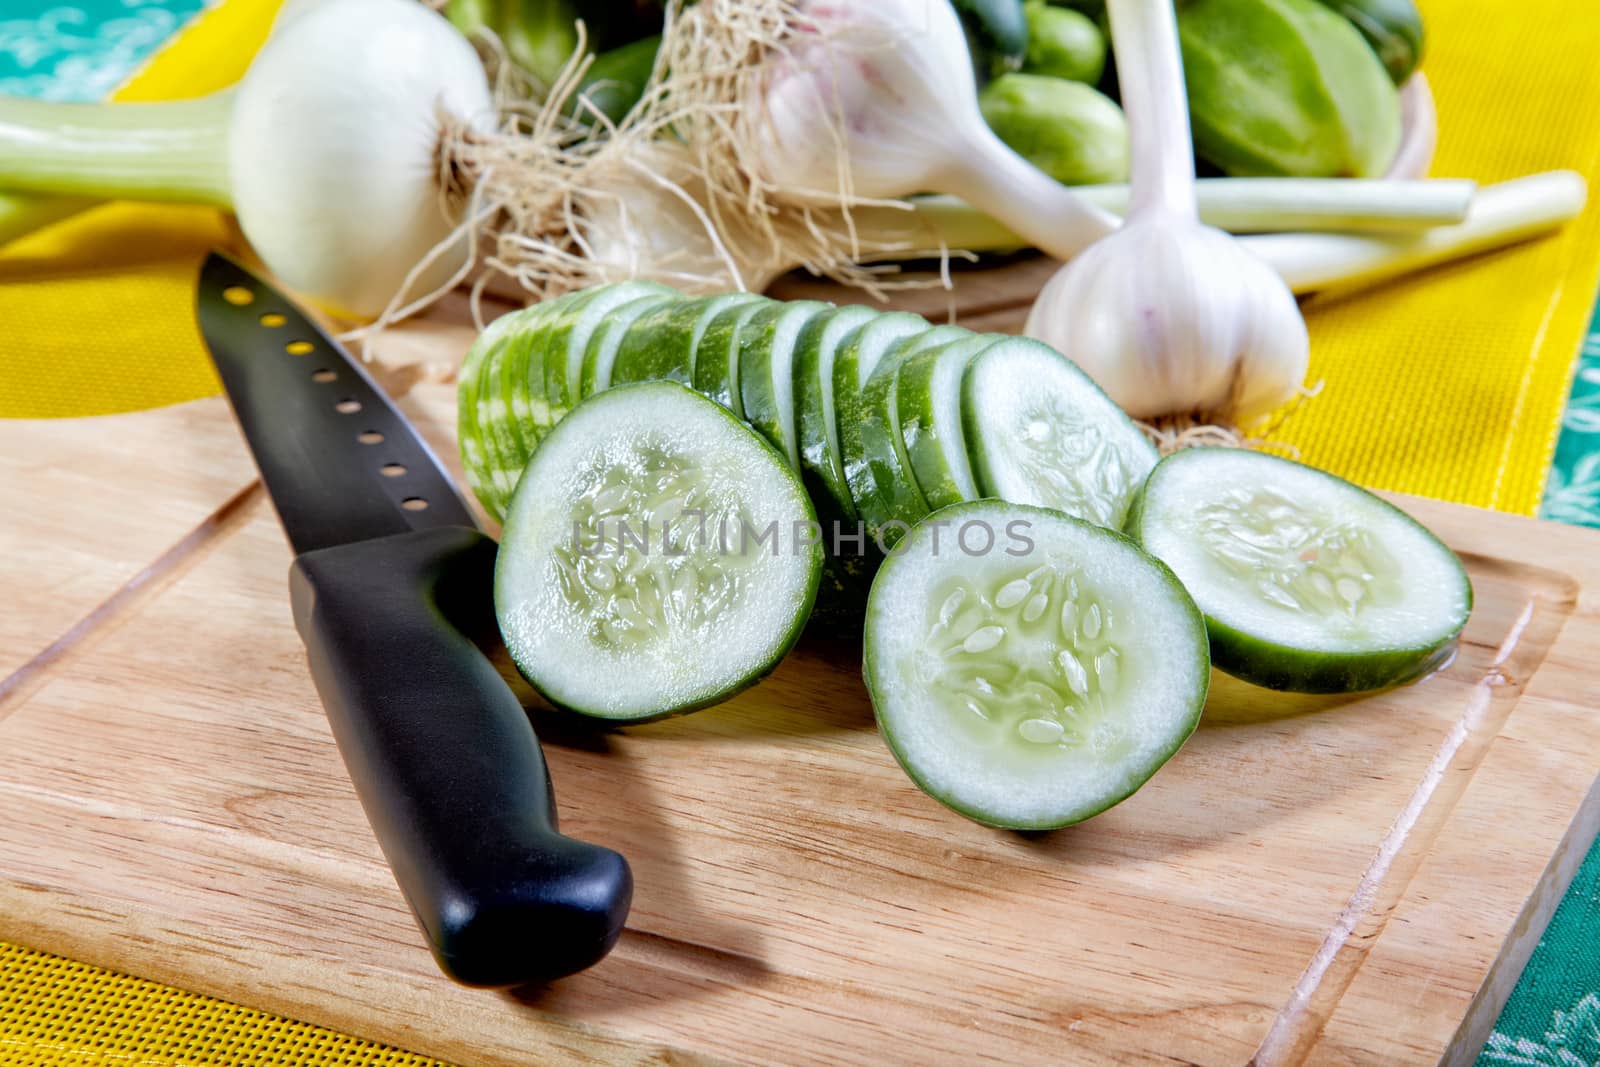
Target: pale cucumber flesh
626,588
1308,583
1030,670
1039,431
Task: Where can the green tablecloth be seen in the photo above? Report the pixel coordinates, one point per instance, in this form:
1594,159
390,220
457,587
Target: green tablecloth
83,49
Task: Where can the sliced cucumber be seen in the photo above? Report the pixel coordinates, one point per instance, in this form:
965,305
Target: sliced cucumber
520,380
603,346
570,331
821,465
766,370
1039,431
1030,670
669,615
1308,583
928,405
479,459
716,355
660,346
881,485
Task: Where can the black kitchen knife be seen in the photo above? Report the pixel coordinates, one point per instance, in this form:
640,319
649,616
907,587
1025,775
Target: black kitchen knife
391,576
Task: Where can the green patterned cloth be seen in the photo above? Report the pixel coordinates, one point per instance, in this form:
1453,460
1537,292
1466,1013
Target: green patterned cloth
81,51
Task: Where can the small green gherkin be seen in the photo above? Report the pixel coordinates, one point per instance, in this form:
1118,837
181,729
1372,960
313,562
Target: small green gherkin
1286,87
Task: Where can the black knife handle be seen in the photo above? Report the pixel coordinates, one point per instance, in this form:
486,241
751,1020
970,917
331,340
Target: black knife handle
445,762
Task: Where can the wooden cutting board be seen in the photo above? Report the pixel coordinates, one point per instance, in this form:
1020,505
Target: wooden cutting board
1310,880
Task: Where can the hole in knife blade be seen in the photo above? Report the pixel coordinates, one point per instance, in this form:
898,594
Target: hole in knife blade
392,470
238,295
299,348
370,437
414,503
347,406
272,319
324,375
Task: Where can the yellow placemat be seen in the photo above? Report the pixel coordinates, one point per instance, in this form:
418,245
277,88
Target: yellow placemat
1451,384
99,310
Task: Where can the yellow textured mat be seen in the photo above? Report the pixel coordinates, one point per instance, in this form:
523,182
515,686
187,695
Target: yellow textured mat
55,1012
1451,384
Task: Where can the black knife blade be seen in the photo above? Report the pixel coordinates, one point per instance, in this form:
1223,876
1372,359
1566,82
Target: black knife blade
389,579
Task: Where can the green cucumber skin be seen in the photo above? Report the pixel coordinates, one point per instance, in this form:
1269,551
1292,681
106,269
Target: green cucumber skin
560,392
882,490
589,383
722,695
952,516
1271,665
822,474
716,365
918,424
757,396
658,346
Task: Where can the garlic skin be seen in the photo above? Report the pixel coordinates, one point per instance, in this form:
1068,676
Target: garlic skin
1170,316
1173,318
877,101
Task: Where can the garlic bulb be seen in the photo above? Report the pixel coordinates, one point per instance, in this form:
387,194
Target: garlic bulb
1168,315
874,101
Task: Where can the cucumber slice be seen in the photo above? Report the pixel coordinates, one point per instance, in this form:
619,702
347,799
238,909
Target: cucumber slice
884,449
821,465
1039,431
1308,583
716,355
766,370
477,459
657,619
660,346
1037,682
603,347
570,331
880,482
520,380
928,404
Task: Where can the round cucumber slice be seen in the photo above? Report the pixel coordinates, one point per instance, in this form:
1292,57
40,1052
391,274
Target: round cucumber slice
1040,431
885,495
716,356
570,331
634,579
1030,670
601,352
928,404
660,346
766,370
821,465
1308,583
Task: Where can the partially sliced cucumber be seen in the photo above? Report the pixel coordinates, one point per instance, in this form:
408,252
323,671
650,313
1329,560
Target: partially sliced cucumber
821,466
1040,431
928,405
1308,583
570,332
716,355
603,346
668,614
1030,670
660,346
881,485
766,370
